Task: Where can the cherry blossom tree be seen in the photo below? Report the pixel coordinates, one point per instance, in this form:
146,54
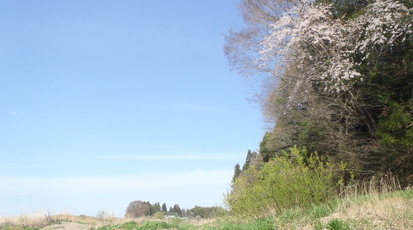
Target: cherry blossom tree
329,67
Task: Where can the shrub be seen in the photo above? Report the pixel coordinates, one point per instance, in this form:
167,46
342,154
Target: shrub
292,179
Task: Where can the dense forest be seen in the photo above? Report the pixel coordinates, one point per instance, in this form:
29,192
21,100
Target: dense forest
336,81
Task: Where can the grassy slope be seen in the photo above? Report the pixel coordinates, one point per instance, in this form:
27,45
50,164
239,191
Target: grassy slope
372,211
375,210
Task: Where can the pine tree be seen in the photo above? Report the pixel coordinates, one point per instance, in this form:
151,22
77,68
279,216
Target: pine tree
237,172
177,209
164,208
157,207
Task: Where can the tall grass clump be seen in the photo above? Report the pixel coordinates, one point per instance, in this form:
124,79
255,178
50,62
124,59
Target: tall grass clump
373,186
24,221
295,178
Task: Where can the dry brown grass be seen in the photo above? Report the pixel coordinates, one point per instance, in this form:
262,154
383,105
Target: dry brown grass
67,216
378,203
376,213
25,220
43,219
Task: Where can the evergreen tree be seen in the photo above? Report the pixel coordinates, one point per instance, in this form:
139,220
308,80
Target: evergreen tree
247,160
237,172
151,208
177,210
157,207
164,208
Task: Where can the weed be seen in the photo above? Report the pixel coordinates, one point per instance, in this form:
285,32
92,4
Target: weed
320,211
337,224
318,225
291,214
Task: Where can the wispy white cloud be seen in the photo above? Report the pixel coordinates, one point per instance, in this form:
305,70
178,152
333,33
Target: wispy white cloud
171,157
14,113
145,182
88,195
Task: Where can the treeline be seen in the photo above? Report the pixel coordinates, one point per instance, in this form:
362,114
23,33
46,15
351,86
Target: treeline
337,87
139,208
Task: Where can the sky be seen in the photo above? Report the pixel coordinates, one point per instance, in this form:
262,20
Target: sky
106,102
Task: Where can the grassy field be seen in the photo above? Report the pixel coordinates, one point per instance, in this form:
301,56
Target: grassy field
365,206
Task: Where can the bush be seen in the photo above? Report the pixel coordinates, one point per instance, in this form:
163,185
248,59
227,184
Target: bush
293,179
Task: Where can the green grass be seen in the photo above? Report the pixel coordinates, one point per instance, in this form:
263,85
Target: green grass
319,211
147,225
262,224
337,224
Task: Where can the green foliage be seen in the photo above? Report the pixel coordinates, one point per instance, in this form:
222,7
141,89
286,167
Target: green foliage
159,215
318,225
154,208
164,208
260,224
237,172
319,211
148,225
293,179
208,212
266,149
176,210
18,227
175,221
337,224
396,125
290,214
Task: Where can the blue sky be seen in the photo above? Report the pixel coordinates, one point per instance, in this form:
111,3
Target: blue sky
107,102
